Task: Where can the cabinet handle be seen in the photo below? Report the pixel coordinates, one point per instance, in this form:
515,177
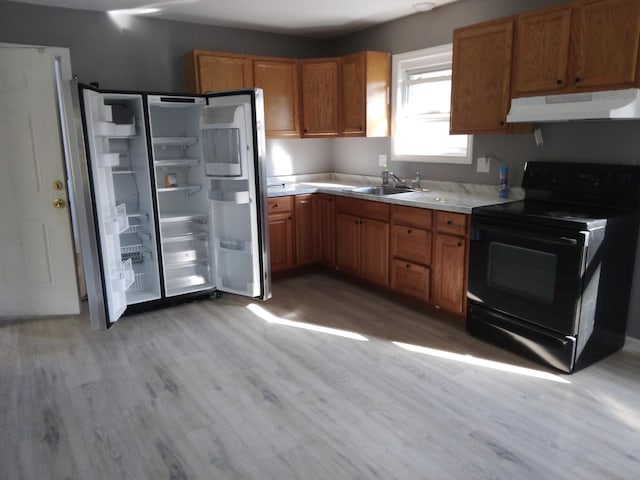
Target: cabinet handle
459,244
449,222
408,266
578,79
275,205
288,218
501,123
408,230
559,82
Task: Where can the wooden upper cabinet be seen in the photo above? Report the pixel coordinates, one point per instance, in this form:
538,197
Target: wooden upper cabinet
541,51
278,78
480,87
587,45
606,39
319,81
215,72
365,83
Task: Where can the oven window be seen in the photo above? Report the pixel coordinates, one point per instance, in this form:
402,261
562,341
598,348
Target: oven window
523,271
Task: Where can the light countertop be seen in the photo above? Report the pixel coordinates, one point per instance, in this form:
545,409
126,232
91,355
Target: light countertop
448,196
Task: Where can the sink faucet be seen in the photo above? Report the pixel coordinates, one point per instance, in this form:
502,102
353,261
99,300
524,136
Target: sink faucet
397,182
417,182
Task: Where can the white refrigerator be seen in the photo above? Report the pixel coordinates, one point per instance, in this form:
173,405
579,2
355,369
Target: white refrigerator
174,206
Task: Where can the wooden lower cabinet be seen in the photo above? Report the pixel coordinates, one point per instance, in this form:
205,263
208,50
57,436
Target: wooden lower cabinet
281,239
307,229
410,278
411,239
326,207
450,261
362,244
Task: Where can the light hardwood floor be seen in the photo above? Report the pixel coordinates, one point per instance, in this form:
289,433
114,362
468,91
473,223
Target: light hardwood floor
210,390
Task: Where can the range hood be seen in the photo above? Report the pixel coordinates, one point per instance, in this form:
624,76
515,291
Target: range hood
613,104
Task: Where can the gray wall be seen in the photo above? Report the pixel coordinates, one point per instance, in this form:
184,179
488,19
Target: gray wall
145,55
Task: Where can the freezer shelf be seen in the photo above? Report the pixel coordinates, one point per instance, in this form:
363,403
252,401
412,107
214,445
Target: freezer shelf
109,129
174,141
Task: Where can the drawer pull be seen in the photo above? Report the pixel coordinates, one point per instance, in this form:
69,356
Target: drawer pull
408,266
408,230
449,222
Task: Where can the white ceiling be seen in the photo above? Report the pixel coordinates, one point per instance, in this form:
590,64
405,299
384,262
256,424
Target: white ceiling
313,18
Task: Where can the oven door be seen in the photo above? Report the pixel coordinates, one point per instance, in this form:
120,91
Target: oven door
527,271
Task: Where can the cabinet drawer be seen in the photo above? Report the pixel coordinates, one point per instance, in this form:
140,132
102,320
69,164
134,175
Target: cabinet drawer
412,216
451,222
410,279
410,243
363,208
280,204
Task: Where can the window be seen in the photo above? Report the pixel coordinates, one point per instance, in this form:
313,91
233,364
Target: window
421,109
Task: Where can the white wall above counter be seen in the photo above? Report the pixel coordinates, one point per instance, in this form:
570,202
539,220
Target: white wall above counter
447,196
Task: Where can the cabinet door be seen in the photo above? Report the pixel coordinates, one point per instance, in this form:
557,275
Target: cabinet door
348,244
216,73
541,51
281,241
364,94
353,88
606,43
327,230
278,78
319,82
480,88
374,253
307,230
450,273
410,279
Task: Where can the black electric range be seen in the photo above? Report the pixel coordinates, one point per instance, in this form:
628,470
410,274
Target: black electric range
550,276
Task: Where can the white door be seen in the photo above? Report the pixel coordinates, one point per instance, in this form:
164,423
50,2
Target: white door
37,264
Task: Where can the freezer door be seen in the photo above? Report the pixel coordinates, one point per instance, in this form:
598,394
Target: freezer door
237,204
119,227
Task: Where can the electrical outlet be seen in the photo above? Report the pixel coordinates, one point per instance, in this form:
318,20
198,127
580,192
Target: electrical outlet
382,159
484,165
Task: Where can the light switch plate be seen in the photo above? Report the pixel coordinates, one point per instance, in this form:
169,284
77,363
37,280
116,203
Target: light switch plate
484,165
382,159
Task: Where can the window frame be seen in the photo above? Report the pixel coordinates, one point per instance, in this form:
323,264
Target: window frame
419,60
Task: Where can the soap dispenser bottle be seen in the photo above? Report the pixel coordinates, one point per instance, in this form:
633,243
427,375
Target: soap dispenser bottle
385,176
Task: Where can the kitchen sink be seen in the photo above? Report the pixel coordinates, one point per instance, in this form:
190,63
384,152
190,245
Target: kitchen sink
381,190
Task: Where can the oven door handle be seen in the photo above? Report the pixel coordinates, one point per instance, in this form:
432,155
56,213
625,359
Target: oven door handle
563,241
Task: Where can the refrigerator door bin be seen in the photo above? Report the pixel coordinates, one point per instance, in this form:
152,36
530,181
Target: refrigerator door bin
122,279
237,246
232,197
116,221
234,272
109,160
109,129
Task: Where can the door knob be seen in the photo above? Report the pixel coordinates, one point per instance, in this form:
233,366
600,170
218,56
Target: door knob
59,203
57,185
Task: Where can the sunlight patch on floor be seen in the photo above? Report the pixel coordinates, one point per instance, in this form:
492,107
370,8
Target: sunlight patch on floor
469,359
271,318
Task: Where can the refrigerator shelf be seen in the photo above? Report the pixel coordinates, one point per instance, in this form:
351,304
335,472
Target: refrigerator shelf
174,141
185,237
189,189
186,263
137,214
123,170
177,162
184,217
